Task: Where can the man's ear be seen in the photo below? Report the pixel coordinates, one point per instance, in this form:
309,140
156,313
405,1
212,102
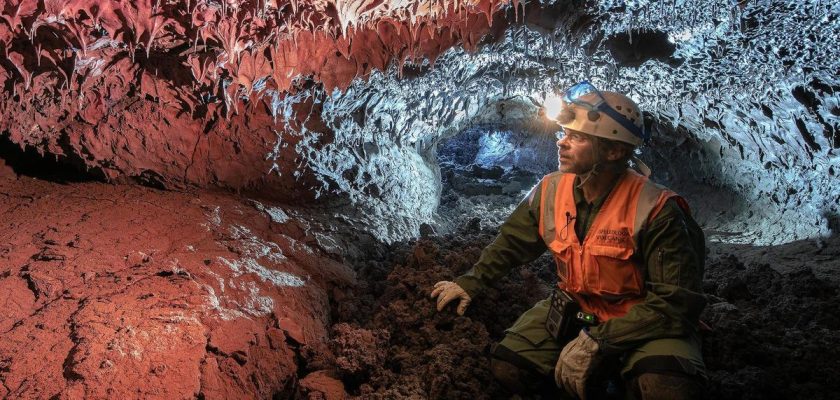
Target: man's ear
615,153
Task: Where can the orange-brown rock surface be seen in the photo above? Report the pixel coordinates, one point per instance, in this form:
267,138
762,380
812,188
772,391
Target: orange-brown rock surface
130,292
181,93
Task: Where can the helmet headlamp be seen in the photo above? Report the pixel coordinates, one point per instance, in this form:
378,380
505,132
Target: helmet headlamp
586,96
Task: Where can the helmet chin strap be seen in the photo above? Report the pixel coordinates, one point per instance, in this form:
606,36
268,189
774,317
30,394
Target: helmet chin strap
595,167
592,172
643,168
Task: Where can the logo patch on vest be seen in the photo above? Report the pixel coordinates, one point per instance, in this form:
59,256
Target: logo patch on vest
613,236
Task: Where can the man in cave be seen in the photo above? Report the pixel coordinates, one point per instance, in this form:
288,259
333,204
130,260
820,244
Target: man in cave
629,259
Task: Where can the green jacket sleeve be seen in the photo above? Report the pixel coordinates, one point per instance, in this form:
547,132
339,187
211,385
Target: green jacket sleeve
673,256
518,243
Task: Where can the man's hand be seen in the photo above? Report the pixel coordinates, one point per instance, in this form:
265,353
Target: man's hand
446,291
577,362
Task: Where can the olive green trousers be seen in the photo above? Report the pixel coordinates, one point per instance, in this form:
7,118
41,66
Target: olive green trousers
530,341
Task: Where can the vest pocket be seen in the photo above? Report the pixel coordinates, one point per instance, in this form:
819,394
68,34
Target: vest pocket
610,273
563,253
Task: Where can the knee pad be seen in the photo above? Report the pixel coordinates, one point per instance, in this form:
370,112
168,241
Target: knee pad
513,378
672,386
517,374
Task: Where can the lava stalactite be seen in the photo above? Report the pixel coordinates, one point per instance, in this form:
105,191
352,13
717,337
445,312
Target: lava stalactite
199,68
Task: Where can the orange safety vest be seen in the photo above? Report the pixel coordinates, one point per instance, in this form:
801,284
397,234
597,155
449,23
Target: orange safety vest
600,270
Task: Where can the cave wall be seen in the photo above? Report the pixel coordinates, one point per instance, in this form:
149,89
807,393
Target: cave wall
749,98
345,103
204,93
741,100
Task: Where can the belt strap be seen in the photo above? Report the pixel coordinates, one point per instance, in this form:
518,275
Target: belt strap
503,353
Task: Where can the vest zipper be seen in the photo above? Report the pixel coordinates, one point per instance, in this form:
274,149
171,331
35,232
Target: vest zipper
583,278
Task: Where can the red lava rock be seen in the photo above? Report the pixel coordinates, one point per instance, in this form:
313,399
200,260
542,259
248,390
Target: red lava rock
292,330
357,350
136,259
774,334
418,352
108,293
16,301
165,93
320,385
276,338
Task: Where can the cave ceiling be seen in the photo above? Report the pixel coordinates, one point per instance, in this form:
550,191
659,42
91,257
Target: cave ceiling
347,101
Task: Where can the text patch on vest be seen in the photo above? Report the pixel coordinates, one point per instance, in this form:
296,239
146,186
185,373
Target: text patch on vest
614,237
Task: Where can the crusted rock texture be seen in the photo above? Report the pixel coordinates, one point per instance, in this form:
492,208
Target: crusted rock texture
129,292
189,93
772,336
346,102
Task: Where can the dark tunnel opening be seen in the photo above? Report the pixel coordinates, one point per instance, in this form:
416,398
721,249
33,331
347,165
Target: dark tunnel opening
634,47
29,162
486,170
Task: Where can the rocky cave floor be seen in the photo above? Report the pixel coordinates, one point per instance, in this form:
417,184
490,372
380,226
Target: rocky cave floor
193,312
773,335
774,330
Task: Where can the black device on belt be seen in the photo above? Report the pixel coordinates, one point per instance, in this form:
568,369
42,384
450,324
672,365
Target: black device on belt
565,317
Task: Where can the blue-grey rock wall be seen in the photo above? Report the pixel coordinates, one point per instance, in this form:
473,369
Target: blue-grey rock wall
742,99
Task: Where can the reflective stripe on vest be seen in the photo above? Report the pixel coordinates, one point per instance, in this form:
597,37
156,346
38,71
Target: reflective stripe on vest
600,271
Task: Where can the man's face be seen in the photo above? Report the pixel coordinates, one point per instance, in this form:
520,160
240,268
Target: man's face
574,152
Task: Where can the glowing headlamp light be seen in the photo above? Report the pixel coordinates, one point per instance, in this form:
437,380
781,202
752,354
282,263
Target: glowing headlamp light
561,108
553,105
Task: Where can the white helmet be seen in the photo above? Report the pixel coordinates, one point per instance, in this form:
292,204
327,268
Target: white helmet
609,115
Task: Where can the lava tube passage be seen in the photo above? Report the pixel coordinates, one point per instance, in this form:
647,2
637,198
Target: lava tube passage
415,199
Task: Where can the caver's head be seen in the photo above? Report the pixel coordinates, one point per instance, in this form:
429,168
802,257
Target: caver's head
609,115
598,129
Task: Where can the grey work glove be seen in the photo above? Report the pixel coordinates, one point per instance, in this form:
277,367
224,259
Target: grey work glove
577,362
446,291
